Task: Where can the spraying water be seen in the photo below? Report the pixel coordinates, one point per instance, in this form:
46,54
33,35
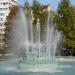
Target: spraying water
23,42
19,36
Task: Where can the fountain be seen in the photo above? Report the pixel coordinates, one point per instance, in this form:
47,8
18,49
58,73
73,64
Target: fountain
26,43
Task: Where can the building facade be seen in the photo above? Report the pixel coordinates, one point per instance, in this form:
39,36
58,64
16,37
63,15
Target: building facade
4,12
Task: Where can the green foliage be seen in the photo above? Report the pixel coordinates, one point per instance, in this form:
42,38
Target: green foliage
65,20
8,28
9,21
8,25
26,6
36,7
38,12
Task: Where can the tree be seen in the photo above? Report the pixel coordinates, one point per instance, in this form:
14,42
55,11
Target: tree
38,13
65,20
9,20
8,25
36,7
26,5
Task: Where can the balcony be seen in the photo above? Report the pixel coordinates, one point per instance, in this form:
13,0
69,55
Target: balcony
3,1
2,27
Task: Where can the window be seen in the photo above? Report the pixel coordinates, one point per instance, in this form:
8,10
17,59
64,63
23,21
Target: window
1,9
1,19
1,24
2,30
3,3
1,14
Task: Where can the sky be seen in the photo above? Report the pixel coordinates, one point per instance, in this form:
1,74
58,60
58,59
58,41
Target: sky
53,3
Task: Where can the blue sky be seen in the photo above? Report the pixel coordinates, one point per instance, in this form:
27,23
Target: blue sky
53,3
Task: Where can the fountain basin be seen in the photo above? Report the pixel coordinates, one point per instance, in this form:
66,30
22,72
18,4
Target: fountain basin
57,68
